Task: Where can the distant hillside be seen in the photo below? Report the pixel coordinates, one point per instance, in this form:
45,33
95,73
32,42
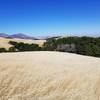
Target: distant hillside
24,36
4,35
4,42
18,35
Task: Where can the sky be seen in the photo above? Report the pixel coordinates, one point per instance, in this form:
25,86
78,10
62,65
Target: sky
50,17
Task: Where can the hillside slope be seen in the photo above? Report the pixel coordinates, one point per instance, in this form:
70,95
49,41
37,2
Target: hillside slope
49,76
4,42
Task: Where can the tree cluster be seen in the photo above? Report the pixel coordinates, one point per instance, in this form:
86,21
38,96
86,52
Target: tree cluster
81,45
20,46
23,46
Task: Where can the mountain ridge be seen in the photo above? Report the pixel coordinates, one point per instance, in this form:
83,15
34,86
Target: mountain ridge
24,36
18,35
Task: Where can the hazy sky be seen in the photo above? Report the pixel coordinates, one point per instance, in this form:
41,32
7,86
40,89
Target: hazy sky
48,17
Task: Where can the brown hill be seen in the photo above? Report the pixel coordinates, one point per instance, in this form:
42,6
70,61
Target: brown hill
49,76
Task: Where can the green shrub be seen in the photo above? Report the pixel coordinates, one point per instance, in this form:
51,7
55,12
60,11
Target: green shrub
3,50
12,49
24,46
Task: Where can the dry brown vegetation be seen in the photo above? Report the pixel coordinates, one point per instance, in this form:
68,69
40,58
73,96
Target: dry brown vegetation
49,76
4,42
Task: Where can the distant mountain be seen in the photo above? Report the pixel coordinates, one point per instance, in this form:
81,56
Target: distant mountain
49,37
4,35
19,35
22,36
53,37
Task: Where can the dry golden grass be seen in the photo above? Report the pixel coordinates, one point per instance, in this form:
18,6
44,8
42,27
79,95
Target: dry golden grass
49,76
4,42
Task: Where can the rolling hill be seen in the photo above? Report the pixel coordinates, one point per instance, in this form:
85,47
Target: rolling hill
49,76
4,42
